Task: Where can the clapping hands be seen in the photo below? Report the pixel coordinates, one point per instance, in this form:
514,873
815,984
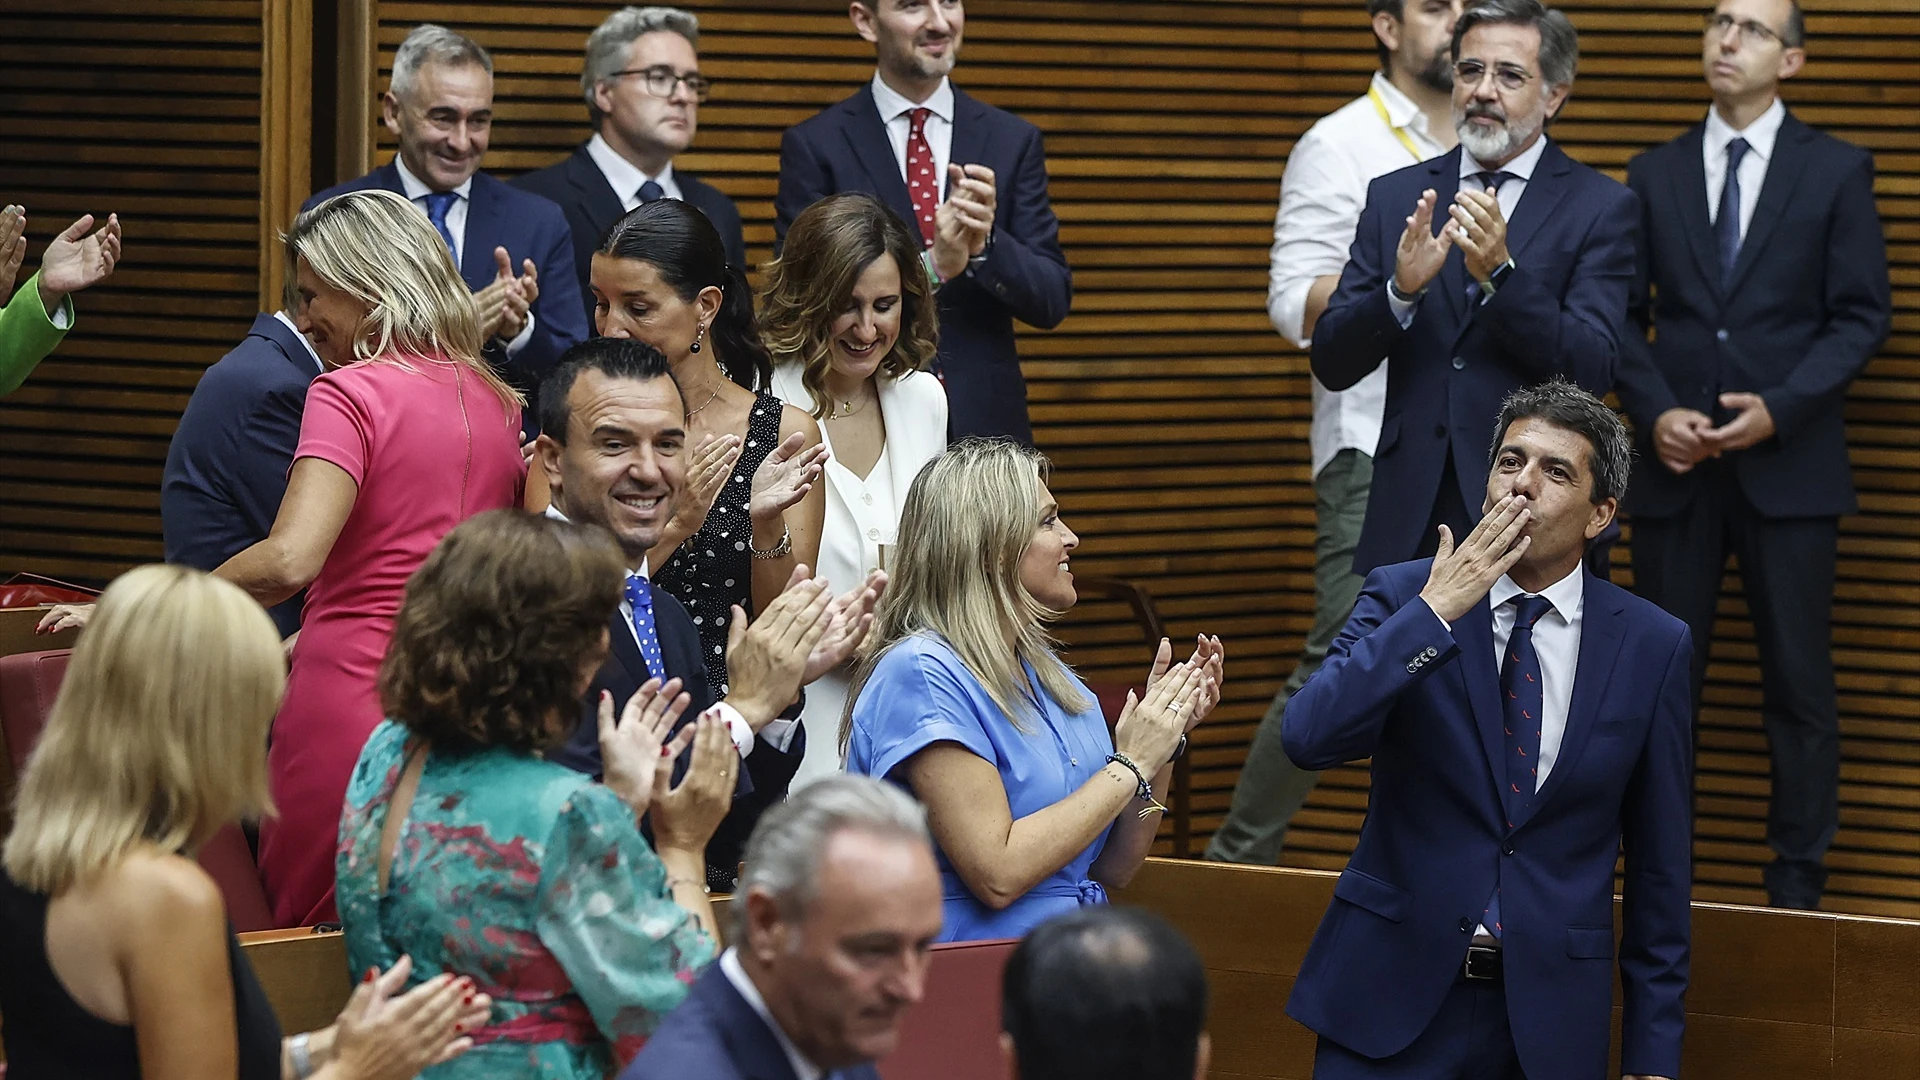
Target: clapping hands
635,747
849,617
506,303
964,222
76,260
785,477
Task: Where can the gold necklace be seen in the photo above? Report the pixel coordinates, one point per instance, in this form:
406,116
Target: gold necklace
691,413
840,410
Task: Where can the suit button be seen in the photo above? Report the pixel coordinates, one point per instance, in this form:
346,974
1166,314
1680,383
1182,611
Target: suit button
1506,849
1439,431
1412,668
1466,925
1459,364
1722,334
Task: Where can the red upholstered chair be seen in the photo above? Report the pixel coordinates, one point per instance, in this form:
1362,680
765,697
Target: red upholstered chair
954,1033
28,684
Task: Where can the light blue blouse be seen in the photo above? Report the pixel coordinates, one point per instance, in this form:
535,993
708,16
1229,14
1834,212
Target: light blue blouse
920,694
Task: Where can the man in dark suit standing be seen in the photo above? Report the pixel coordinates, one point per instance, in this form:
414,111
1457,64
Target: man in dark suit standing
227,465
644,90
440,107
1499,265
970,177
1525,720
833,924
613,448
1764,278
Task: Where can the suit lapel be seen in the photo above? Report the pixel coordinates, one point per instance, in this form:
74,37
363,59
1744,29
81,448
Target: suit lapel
1776,191
624,650
1444,178
1601,632
1474,634
1689,180
866,136
603,204
1541,197
969,132
483,232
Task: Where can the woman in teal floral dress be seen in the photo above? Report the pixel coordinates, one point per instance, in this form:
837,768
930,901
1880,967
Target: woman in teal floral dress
461,847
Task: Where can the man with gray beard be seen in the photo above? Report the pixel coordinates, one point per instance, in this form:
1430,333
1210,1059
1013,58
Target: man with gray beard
1500,265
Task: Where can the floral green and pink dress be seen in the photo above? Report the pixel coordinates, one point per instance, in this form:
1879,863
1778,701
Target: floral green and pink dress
533,880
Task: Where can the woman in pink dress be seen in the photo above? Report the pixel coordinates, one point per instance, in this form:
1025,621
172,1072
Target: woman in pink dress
407,434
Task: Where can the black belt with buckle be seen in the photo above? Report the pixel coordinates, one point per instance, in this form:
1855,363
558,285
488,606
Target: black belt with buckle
1483,964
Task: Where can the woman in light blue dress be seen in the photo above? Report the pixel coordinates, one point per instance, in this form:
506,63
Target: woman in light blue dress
1035,808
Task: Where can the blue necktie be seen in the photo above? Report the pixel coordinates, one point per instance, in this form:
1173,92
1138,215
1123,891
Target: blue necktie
640,596
438,203
1726,221
1522,701
651,192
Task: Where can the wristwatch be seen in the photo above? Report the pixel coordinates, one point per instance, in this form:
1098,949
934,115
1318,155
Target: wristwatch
1498,278
1393,290
975,262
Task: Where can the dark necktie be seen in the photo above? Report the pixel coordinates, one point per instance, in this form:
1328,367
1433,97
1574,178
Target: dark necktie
640,596
922,186
1726,221
651,192
438,203
1522,701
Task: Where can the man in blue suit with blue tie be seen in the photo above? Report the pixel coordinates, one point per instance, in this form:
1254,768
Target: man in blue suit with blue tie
1526,721
1499,265
440,108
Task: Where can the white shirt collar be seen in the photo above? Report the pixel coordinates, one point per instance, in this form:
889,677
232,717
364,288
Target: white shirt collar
623,176
288,323
1760,134
1565,595
417,188
737,975
554,513
892,103
1521,166
1401,111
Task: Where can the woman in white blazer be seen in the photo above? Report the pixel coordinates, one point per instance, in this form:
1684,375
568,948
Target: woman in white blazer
850,317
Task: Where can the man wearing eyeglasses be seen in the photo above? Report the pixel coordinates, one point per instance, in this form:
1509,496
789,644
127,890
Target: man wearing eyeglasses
1763,272
511,247
643,89
1498,266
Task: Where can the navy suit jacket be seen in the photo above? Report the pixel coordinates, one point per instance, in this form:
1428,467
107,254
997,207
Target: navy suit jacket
768,771
227,465
1809,304
581,191
529,227
1423,703
1025,275
715,1035
1559,313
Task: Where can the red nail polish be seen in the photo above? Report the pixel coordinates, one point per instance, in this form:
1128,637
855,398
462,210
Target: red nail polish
468,1000
371,973
459,1028
663,751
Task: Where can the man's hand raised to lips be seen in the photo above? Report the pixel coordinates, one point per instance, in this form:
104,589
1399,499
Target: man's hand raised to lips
1462,575
766,661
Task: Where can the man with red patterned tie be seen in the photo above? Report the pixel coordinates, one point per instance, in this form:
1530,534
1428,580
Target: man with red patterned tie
971,178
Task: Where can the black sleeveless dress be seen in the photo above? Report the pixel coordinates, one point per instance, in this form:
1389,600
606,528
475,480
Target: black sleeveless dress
712,570
49,1035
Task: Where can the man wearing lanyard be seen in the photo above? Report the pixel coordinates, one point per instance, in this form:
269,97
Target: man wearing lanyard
1405,117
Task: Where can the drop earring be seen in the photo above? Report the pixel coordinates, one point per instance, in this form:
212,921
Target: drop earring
696,338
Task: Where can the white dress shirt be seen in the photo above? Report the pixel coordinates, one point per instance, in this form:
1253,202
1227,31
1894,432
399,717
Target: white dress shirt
1556,641
1321,196
1521,171
1760,136
417,192
737,975
288,323
626,178
896,112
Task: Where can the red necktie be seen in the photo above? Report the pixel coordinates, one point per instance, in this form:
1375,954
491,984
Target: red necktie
922,186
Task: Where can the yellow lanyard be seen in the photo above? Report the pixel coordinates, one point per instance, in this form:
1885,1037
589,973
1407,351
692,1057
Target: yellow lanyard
1380,106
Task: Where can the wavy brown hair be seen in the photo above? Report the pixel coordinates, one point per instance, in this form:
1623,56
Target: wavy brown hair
498,630
811,284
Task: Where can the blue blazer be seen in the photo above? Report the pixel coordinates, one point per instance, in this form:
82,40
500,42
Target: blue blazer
529,227
1025,276
1559,313
1423,703
580,189
1810,304
227,465
715,1035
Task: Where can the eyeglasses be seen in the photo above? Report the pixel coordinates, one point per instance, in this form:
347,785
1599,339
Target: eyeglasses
1506,76
1751,32
661,82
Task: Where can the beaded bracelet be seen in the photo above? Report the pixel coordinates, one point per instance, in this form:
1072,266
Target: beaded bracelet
1143,789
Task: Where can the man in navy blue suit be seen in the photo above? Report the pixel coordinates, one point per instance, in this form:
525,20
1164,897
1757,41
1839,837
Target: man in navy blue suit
971,178
1526,720
440,108
1764,273
833,924
643,86
227,465
1501,264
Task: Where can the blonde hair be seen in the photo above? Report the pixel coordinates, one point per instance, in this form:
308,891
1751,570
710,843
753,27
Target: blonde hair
828,247
966,523
380,249
159,733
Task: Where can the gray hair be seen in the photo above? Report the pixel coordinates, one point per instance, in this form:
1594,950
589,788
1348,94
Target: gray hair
783,855
1562,404
431,43
607,45
1559,43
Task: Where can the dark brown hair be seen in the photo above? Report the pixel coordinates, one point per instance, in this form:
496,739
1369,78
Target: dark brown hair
498,627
